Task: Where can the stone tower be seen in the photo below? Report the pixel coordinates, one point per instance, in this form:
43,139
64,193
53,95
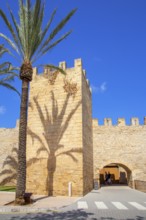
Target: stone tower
59,136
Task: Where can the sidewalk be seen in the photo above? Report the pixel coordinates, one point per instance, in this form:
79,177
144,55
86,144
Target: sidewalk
41,204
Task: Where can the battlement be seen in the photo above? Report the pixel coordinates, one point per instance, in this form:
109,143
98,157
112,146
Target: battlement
62,65
120,122
77,64
76,69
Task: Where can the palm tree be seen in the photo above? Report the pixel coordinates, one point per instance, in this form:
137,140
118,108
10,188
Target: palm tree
30,41
7,72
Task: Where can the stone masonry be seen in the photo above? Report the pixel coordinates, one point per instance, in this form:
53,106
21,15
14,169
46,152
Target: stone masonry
66,149
122,145
8,155
59,142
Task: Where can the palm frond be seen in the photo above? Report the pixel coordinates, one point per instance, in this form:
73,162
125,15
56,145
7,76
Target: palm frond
8,86
5,65
7,68
56,68
8,78
3,50
43,34
17,28
9,26
36,23
7,72
10,42
29,39
58,28
50,46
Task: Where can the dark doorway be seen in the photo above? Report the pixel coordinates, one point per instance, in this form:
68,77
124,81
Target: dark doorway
119,175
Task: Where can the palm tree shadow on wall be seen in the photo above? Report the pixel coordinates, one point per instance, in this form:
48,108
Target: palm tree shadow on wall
54,126
10,165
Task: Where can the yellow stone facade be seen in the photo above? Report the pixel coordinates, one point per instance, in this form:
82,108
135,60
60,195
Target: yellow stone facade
59,147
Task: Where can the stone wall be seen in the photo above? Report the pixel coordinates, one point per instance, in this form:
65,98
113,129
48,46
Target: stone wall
63,141
87,136
122,145
8,155
140,185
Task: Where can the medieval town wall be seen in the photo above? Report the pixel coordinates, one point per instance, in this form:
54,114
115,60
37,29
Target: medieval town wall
124,145
63,141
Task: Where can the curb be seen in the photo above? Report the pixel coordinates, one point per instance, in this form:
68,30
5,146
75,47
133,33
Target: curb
11,209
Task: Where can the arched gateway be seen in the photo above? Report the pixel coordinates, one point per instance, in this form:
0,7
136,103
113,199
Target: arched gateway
67,150
120,174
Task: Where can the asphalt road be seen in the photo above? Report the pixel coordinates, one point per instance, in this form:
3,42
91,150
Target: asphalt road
107,203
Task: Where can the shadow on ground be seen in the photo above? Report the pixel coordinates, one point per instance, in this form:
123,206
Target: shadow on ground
74,214
40,198
68,215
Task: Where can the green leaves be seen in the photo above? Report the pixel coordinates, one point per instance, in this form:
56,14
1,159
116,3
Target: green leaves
46,45
7,72
28,37
56,68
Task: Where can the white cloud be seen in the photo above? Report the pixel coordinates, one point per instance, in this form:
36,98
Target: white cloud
2,110
101,88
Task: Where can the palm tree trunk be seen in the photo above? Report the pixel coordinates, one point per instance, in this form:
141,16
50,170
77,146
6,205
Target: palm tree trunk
21,173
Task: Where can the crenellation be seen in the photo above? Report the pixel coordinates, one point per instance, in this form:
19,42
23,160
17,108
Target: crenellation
107,121
17,123
63,65
78,63
94,122
72,72
144,120
46,69
134,121
35,72
121,122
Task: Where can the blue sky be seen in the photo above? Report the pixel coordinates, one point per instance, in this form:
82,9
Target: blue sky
110,37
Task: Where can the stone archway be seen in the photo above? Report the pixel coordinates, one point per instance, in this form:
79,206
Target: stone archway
120,174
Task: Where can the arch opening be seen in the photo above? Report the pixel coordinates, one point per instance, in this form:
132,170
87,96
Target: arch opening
120,174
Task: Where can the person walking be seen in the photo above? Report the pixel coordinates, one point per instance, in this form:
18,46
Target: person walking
106,178
109,181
